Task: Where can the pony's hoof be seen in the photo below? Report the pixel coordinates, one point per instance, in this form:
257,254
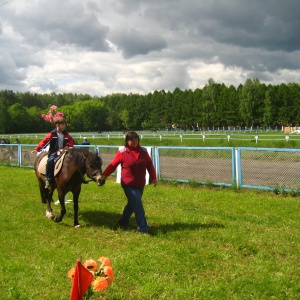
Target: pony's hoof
57,220
49,215
77,226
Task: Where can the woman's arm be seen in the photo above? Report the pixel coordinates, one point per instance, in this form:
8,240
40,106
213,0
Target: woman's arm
113,164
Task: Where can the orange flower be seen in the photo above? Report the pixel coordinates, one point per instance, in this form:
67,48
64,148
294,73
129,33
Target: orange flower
91,265
71,273
104,261
109,274
100,283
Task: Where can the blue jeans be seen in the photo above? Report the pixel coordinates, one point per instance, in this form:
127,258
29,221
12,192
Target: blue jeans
50,165
134,205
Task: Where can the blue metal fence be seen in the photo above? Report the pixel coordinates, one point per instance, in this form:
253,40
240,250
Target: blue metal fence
259,168
268,168
213,165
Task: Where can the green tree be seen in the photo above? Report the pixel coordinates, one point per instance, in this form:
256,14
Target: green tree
89,115
5,118
267,115
156,110
249,101
177,111
125,118
210,104
113,104
229,104
21,121
197,110
294,94
284,106
37,122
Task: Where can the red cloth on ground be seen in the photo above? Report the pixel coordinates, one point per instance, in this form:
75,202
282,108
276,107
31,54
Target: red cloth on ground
82,280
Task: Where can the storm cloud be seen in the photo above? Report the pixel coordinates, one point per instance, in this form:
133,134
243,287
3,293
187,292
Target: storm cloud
102,47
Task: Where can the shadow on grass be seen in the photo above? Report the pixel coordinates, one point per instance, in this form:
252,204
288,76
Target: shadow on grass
110,220
100,218
159,229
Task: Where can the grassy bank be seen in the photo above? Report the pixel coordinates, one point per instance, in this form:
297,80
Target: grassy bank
204,243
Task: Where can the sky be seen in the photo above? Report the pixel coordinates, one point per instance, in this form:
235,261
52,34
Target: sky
101,47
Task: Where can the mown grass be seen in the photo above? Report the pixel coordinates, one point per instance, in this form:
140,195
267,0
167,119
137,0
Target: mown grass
205,243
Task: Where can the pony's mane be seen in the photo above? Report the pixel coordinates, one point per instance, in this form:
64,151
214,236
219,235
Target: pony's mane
79,153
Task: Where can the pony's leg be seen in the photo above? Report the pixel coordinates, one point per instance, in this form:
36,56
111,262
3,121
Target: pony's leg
49,211
61,197
75,202
47,199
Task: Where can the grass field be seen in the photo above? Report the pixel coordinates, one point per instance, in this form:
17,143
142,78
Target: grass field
205,243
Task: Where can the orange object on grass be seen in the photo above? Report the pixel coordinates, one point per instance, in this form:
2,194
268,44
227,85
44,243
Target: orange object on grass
100,283
109,274
104,261
91,265
71,273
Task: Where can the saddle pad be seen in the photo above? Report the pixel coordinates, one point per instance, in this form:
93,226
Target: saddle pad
58,163
42,165
57,167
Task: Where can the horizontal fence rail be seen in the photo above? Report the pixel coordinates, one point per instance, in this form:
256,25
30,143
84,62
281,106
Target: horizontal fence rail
206,135
260,168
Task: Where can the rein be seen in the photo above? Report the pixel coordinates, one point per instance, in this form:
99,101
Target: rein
82,176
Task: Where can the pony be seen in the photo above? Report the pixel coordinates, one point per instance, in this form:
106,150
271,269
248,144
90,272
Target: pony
4,141
75,164
7,151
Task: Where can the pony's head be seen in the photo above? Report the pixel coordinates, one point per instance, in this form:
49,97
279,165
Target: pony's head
94,167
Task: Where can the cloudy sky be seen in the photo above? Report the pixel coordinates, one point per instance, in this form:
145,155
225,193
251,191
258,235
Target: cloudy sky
100,47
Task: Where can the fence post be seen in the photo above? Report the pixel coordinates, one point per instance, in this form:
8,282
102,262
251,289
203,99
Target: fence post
236,163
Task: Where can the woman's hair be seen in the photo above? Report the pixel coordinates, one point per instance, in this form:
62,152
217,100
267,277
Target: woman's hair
131,135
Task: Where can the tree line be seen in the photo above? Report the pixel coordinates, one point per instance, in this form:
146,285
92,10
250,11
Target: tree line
215,105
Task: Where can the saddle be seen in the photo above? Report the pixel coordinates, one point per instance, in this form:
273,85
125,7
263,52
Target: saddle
57,164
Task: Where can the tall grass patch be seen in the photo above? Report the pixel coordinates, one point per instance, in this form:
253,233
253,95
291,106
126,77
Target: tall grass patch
204,243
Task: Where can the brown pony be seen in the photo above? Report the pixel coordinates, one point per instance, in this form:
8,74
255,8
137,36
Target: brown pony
77,162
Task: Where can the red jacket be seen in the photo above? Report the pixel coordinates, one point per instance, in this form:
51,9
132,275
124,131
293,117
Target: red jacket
52,138
134,163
